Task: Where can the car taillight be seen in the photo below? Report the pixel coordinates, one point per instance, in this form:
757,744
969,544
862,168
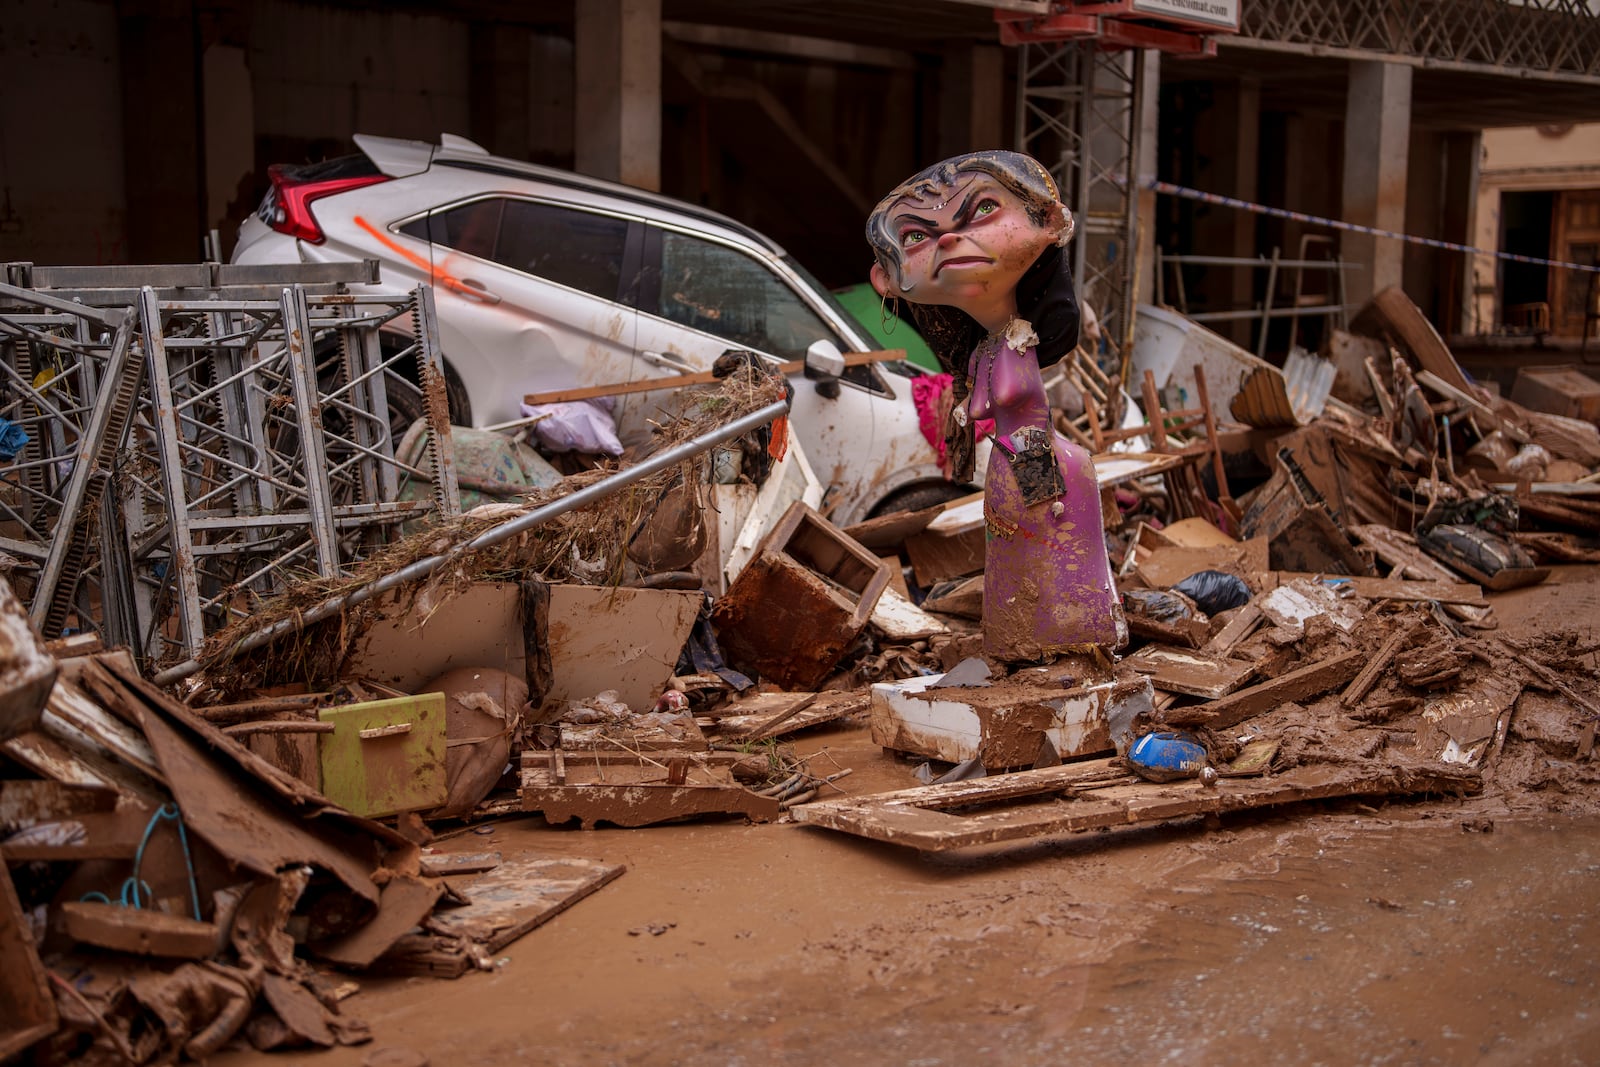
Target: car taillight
291,207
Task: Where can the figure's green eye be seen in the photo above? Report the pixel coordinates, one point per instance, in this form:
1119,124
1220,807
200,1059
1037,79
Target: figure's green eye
915,237
988,207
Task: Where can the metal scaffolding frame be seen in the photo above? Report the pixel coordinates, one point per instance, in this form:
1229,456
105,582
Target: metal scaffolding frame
242,430
1552,39
1078,112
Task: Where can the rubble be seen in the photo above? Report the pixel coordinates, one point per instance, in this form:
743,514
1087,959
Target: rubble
206,833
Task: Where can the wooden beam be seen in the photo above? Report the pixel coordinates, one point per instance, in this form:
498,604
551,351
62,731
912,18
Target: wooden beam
1306,682
680,381
1363,683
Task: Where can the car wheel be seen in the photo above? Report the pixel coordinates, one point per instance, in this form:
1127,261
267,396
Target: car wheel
400,386
917,497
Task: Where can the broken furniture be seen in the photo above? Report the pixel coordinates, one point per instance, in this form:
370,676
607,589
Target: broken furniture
801,603
1187,495
385,756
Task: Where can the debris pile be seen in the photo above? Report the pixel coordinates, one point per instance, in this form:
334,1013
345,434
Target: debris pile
217,790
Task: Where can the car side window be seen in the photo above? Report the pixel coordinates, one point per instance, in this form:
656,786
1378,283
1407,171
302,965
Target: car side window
576,248
718,290
471,228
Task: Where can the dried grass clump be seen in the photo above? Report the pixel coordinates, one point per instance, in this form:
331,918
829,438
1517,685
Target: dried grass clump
586,546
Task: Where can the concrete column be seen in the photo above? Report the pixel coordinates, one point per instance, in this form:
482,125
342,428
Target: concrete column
1377,131
972,99
618,76
1245,165
1463,154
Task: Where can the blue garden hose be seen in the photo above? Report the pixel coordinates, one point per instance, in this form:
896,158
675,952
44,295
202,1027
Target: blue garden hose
135,891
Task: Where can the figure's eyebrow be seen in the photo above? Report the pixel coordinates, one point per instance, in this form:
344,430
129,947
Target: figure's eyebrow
918,219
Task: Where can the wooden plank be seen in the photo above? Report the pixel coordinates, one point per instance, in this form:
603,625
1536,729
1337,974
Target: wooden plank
1399,589
1239,627
1413,330
1478,407
508,902
144,932
1092,796
441,864
644,804
1196,673
29,1012
681,381
1306,682
406,902
1399,550
828,707
1362,684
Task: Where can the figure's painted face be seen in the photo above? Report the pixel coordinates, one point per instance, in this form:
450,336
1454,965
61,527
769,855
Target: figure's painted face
965,241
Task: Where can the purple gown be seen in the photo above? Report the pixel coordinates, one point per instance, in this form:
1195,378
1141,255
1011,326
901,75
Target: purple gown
1047,585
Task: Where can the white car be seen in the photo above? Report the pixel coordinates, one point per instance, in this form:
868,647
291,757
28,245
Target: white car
545,279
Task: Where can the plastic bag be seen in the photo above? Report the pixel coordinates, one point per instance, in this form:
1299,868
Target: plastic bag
577,426
1214,591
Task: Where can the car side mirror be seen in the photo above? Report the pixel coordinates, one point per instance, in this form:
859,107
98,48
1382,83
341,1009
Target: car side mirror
823,360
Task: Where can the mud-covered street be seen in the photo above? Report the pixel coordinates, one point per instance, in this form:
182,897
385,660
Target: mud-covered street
1412,932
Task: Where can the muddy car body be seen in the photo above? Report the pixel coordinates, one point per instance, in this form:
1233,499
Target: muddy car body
547,280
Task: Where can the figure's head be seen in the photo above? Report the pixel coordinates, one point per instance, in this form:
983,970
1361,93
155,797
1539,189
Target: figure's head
963,232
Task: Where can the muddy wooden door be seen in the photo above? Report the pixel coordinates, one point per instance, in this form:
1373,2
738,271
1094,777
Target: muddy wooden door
1577,240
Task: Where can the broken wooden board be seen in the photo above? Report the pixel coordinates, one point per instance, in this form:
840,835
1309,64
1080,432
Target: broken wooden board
679,735
1095,795
625,640
29,1012
1388,588
1165,567
1308,681
1458,727
626,789
963,599
900,621
405,903
1195,673
25,802
1399,551
506,903
444,864
144,932
952,546
801,603
477,625
548,767
644,805
1393,308
1001,725
751,723
1112,469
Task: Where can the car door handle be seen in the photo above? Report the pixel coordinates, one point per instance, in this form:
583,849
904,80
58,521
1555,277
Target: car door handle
480,291
666,359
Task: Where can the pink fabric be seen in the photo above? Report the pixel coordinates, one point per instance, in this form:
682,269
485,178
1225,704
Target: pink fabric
931,394
1047,584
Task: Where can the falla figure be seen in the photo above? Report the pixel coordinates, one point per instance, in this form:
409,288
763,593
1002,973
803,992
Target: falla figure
974,245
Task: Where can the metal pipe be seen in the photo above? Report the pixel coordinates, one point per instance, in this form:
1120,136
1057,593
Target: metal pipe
494,535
